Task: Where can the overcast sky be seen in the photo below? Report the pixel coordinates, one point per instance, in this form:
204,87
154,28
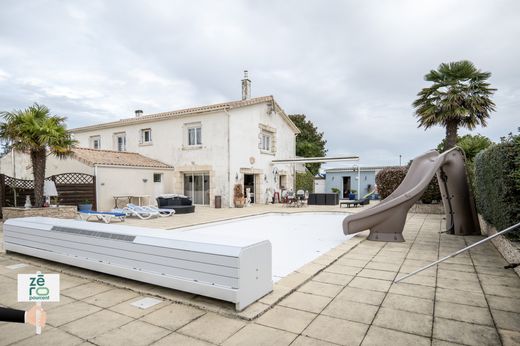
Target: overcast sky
353,67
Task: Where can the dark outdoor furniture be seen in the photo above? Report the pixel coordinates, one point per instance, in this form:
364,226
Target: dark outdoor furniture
181,205
354,202
323,199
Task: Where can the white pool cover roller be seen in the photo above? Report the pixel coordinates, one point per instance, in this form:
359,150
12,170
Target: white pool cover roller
234,269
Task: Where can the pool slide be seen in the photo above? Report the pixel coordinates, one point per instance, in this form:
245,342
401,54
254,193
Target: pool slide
386,220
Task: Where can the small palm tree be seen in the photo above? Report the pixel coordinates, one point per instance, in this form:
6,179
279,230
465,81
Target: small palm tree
36,132
459,96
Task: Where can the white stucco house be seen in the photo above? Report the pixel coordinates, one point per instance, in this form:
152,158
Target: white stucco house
206,150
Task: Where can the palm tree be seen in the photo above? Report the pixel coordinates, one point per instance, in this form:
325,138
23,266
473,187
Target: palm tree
36,132
459,96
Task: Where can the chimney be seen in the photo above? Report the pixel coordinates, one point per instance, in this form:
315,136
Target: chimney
138,113
246,87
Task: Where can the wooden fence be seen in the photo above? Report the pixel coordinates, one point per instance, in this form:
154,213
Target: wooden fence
73,189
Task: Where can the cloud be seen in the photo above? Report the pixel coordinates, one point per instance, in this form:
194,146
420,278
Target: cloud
354,68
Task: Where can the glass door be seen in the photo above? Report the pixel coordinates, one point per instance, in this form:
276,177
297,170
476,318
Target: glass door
196,186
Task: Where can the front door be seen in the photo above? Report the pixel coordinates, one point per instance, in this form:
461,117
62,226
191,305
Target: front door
249,183
346,186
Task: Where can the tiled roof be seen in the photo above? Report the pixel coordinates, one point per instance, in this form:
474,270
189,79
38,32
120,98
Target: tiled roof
190,111
94,157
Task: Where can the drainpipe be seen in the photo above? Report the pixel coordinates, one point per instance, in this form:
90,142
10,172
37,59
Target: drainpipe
96,187
228,158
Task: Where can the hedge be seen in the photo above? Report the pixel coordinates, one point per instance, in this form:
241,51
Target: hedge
388,179
497,184
305,181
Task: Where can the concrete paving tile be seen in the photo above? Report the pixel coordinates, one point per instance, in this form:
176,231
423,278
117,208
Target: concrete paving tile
360,263
352,311
392,267
69,281
398,260
502,291
212,328
306,341
361,295
333,278
173,316
320,288
370,284
507,320
293,280
306,302
13,332
278,293
52,336
458,284
336,330
504,303
311,268
404,321
408,303
460,297
509,338
342,269
70,312
500,280
85,290
135,333
377,336
291,320
96,324
464,313
127,309
437,342
179,339
377,274
422,280
457,267
452,274
496,270
253,311
63,301
110,298
261,336
464,333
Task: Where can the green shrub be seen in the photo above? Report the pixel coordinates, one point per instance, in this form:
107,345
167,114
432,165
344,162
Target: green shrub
497,184
305,181
388,179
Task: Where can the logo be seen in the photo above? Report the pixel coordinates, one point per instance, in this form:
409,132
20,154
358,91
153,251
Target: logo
38,287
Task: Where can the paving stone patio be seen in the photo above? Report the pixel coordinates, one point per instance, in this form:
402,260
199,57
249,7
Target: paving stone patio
346,297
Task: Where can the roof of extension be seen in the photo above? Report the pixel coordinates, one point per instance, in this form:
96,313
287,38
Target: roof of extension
95,157
191,111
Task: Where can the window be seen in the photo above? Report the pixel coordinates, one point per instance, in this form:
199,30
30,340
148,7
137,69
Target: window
95,142
266,142
157,177
146,136
194,135
120,141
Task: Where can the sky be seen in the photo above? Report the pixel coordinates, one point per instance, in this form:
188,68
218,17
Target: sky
352,67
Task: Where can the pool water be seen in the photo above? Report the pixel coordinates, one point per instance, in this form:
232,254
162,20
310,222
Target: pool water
296,238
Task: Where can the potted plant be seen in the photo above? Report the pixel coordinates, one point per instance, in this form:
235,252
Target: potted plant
335,190
86,205
352,194
238,196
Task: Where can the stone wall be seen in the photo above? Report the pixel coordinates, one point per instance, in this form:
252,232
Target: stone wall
62,212
508,249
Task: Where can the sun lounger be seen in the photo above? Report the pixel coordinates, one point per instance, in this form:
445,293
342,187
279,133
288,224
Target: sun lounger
135,210
162,211
354,202
105,216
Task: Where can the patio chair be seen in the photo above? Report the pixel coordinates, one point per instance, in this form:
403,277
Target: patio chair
135,210
105,216
291,199
162,211
300,196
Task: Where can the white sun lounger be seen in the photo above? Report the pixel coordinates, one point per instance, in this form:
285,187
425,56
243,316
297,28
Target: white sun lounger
137,211
162,212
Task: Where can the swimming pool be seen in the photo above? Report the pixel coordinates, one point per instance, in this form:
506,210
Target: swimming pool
296,238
